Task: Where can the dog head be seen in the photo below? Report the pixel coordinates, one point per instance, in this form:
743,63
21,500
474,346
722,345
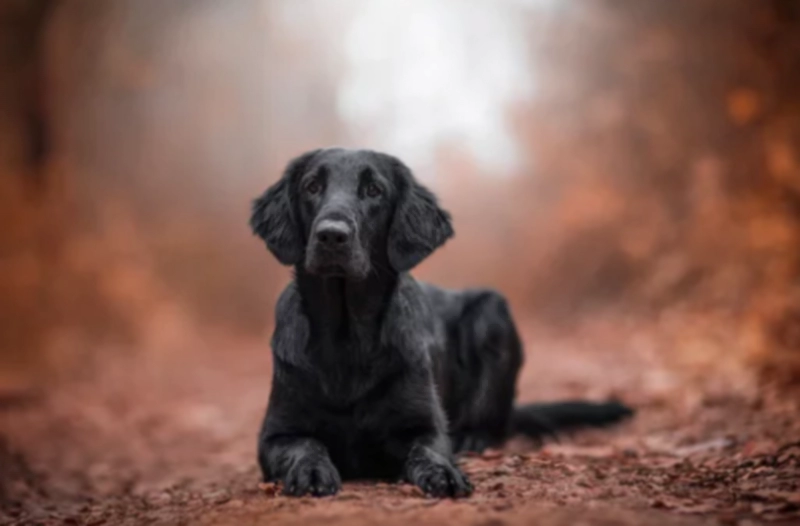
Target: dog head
348,213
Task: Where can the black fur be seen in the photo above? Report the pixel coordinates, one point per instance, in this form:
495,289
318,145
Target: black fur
375,374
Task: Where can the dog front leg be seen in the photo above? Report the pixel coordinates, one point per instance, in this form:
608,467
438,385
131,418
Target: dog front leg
429,465
301,464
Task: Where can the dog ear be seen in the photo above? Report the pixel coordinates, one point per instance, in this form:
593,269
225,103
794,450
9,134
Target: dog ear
273,216
419,225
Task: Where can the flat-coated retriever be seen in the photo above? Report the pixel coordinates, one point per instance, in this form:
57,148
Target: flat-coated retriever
377,375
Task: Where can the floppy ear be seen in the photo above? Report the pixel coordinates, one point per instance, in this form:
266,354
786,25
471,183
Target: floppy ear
419,226
273,215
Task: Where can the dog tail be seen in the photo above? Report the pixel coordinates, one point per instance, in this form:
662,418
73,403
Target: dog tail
547,420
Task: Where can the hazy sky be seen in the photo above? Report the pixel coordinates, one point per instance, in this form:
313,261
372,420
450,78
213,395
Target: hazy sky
421,74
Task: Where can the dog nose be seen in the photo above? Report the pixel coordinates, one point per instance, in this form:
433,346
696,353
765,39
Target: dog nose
333,234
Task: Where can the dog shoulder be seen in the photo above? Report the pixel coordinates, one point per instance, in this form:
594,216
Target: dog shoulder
448,304
292,328
413,327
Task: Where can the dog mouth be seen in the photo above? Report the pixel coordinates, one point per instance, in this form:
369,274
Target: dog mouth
346,267
329,271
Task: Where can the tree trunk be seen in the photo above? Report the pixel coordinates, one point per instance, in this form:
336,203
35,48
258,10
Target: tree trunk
23,152
23,119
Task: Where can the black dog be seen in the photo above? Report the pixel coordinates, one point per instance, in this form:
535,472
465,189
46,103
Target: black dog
375,374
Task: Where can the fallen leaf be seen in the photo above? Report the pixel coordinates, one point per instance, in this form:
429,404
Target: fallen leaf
411,490
269,488
704,447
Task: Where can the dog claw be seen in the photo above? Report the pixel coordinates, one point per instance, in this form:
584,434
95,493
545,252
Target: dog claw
312,477
443,481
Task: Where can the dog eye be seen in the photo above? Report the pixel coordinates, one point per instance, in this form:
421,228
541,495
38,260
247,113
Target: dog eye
373,190
313,187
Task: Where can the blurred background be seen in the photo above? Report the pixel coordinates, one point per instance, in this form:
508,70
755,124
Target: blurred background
629,159
626,168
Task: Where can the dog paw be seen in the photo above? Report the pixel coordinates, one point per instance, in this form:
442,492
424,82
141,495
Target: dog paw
442,481
316,477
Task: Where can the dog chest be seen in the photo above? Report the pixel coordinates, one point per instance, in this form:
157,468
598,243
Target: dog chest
364,442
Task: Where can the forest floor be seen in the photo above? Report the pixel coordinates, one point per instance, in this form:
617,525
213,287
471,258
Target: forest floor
169,438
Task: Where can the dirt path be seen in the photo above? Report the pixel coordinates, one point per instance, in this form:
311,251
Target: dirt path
168,438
